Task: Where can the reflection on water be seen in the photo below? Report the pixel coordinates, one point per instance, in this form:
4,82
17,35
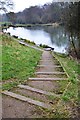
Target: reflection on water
55,37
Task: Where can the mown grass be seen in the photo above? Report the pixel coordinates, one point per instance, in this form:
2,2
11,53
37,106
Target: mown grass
18,62
72,68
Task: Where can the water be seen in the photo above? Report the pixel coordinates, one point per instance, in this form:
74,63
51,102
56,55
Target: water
52,36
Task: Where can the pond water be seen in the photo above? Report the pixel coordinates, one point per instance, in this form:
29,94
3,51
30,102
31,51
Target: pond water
55,37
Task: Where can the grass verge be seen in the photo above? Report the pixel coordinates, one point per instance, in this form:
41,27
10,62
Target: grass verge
67,106
73,70
18,62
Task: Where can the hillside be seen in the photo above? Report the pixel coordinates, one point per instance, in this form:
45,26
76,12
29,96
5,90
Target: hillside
19,62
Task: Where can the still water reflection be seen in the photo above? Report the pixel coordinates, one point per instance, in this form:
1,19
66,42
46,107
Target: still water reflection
53,36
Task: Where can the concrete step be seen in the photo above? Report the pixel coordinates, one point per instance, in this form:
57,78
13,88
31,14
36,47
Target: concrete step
37,90
26,99
49,60
46,79
51,73
49,66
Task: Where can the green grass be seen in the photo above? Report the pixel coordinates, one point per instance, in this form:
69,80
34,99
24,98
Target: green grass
72,68
30,42
4,25
62,86
18,62
5,22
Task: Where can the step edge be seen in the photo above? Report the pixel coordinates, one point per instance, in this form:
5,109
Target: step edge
48,78
51,73
48,66
26,99
37,90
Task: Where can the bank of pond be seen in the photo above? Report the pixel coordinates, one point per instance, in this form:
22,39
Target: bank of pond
55,36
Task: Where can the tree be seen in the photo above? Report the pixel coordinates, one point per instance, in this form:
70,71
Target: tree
11,17
5,4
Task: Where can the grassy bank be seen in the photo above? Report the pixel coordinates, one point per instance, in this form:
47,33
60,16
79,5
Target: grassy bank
31,25
8,24
19,62
72,68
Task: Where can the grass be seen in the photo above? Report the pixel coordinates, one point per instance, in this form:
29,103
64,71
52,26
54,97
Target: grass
71,67
5,23
69,99
18,62
62,86
30,42
26,25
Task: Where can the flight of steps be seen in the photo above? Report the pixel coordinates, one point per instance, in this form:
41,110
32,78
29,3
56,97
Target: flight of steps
39,90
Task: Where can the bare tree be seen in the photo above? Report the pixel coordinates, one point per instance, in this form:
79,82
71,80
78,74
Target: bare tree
5,4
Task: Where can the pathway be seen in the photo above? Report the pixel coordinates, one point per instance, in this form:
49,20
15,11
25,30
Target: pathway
37,94
28,45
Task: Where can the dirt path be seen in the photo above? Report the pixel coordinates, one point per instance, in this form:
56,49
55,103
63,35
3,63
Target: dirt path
39,96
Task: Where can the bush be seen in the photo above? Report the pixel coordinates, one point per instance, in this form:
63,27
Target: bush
15,36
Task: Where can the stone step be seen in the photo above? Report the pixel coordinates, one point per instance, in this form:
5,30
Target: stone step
26,99
37,90
48,60
46,79
48,66
51,73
